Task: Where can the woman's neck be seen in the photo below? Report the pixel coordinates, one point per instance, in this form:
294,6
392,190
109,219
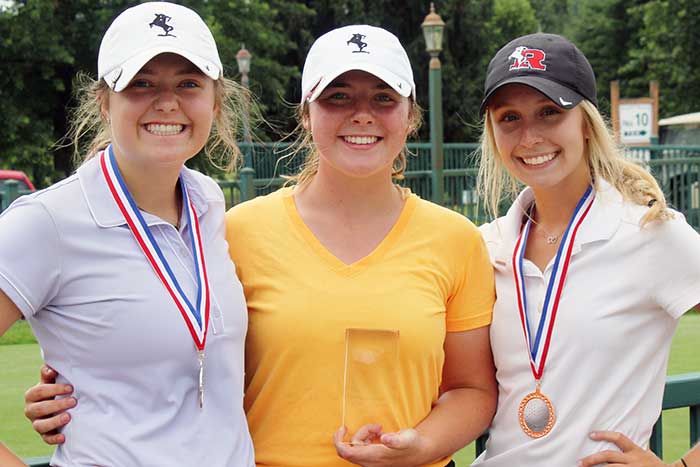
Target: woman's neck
555,206
154,191
351,197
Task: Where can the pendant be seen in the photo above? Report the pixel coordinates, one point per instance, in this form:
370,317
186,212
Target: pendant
200,357
551,239
536,414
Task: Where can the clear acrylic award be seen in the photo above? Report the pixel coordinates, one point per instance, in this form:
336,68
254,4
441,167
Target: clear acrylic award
370,378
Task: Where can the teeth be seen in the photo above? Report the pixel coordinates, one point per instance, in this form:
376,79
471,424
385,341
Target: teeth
539,159
160,129
360,139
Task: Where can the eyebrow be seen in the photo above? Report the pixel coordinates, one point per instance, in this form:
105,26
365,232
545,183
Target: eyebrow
190,69
343,84
497,106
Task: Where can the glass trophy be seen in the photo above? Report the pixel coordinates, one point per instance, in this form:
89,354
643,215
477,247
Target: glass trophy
370,378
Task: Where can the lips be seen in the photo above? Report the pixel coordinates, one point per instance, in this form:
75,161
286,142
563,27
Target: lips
360,139
164,129
539,159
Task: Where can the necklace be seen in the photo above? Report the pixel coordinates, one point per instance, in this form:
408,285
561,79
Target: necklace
549,237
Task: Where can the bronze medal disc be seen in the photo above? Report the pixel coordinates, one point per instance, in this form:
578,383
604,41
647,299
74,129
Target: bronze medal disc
536,414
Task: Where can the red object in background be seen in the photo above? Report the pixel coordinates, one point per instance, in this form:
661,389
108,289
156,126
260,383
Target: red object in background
19,176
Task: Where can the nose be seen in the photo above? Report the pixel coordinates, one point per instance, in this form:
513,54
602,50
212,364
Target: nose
363,113
166,101
530,135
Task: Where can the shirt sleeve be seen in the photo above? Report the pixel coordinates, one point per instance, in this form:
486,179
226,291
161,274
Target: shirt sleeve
29,255
674,262
471,305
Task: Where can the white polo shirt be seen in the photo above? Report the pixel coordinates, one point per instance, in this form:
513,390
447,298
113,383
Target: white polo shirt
625,290
106,323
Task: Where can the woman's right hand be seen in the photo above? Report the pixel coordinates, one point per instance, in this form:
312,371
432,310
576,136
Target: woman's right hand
47,413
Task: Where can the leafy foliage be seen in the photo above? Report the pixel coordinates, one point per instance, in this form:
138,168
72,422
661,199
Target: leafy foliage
44,43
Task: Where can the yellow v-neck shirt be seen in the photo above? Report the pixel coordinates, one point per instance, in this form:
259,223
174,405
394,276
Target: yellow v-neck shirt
430,275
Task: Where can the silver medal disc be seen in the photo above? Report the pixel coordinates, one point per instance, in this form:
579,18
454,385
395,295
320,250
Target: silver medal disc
536,414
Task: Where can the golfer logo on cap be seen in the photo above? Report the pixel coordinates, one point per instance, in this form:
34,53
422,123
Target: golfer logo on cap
161,21
357,40
526,57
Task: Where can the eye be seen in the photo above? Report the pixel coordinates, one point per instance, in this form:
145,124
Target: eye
508,117
550,110
336,97
384,97
189,83
140,83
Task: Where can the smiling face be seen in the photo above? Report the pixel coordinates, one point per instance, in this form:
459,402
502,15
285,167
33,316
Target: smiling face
165,114
540,143
359,125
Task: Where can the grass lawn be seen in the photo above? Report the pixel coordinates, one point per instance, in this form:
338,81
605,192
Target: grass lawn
22,361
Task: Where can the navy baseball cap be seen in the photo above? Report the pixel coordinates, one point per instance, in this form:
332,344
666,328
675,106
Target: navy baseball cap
549,63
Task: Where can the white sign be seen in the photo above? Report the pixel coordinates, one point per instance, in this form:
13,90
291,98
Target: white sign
636,122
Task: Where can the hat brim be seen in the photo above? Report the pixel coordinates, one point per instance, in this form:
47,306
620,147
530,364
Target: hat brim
557,93
399,85
119,78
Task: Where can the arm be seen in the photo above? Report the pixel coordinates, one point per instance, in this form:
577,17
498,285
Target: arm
463,411
632,455
8,459
9,313
45,412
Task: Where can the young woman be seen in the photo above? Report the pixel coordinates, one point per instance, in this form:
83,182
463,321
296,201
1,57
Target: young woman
122,269
593,270
346,248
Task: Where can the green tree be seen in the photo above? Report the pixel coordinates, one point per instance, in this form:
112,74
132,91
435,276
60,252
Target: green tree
668,40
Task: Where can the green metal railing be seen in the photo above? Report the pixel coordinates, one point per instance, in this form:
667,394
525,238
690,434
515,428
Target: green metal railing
677,169
680,391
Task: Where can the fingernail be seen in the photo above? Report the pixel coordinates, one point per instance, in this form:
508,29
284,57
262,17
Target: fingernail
68,388
65,417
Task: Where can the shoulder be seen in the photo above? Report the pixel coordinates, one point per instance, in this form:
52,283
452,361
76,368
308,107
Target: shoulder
673,232
260,208
444,221
204,185
63,197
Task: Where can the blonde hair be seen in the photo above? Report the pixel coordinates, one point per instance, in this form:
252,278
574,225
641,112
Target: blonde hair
90,133
605,161
303,143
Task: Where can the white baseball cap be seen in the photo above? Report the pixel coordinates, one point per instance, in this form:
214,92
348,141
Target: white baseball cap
356,47
141,32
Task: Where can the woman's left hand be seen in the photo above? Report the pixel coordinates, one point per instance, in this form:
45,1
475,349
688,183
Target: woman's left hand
369,447
631,455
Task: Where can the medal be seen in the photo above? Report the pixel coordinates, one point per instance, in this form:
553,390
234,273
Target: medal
196,317
536,411
536,414
200,357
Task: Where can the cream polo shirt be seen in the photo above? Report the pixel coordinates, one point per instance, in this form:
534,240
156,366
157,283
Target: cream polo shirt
625,290
107,325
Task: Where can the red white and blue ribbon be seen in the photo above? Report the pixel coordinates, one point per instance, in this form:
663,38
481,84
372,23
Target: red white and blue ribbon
539,347
196,318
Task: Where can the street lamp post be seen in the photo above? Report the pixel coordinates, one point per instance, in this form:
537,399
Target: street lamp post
247,174
433,27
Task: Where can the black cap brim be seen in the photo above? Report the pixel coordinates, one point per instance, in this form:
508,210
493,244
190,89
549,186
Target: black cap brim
557,93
